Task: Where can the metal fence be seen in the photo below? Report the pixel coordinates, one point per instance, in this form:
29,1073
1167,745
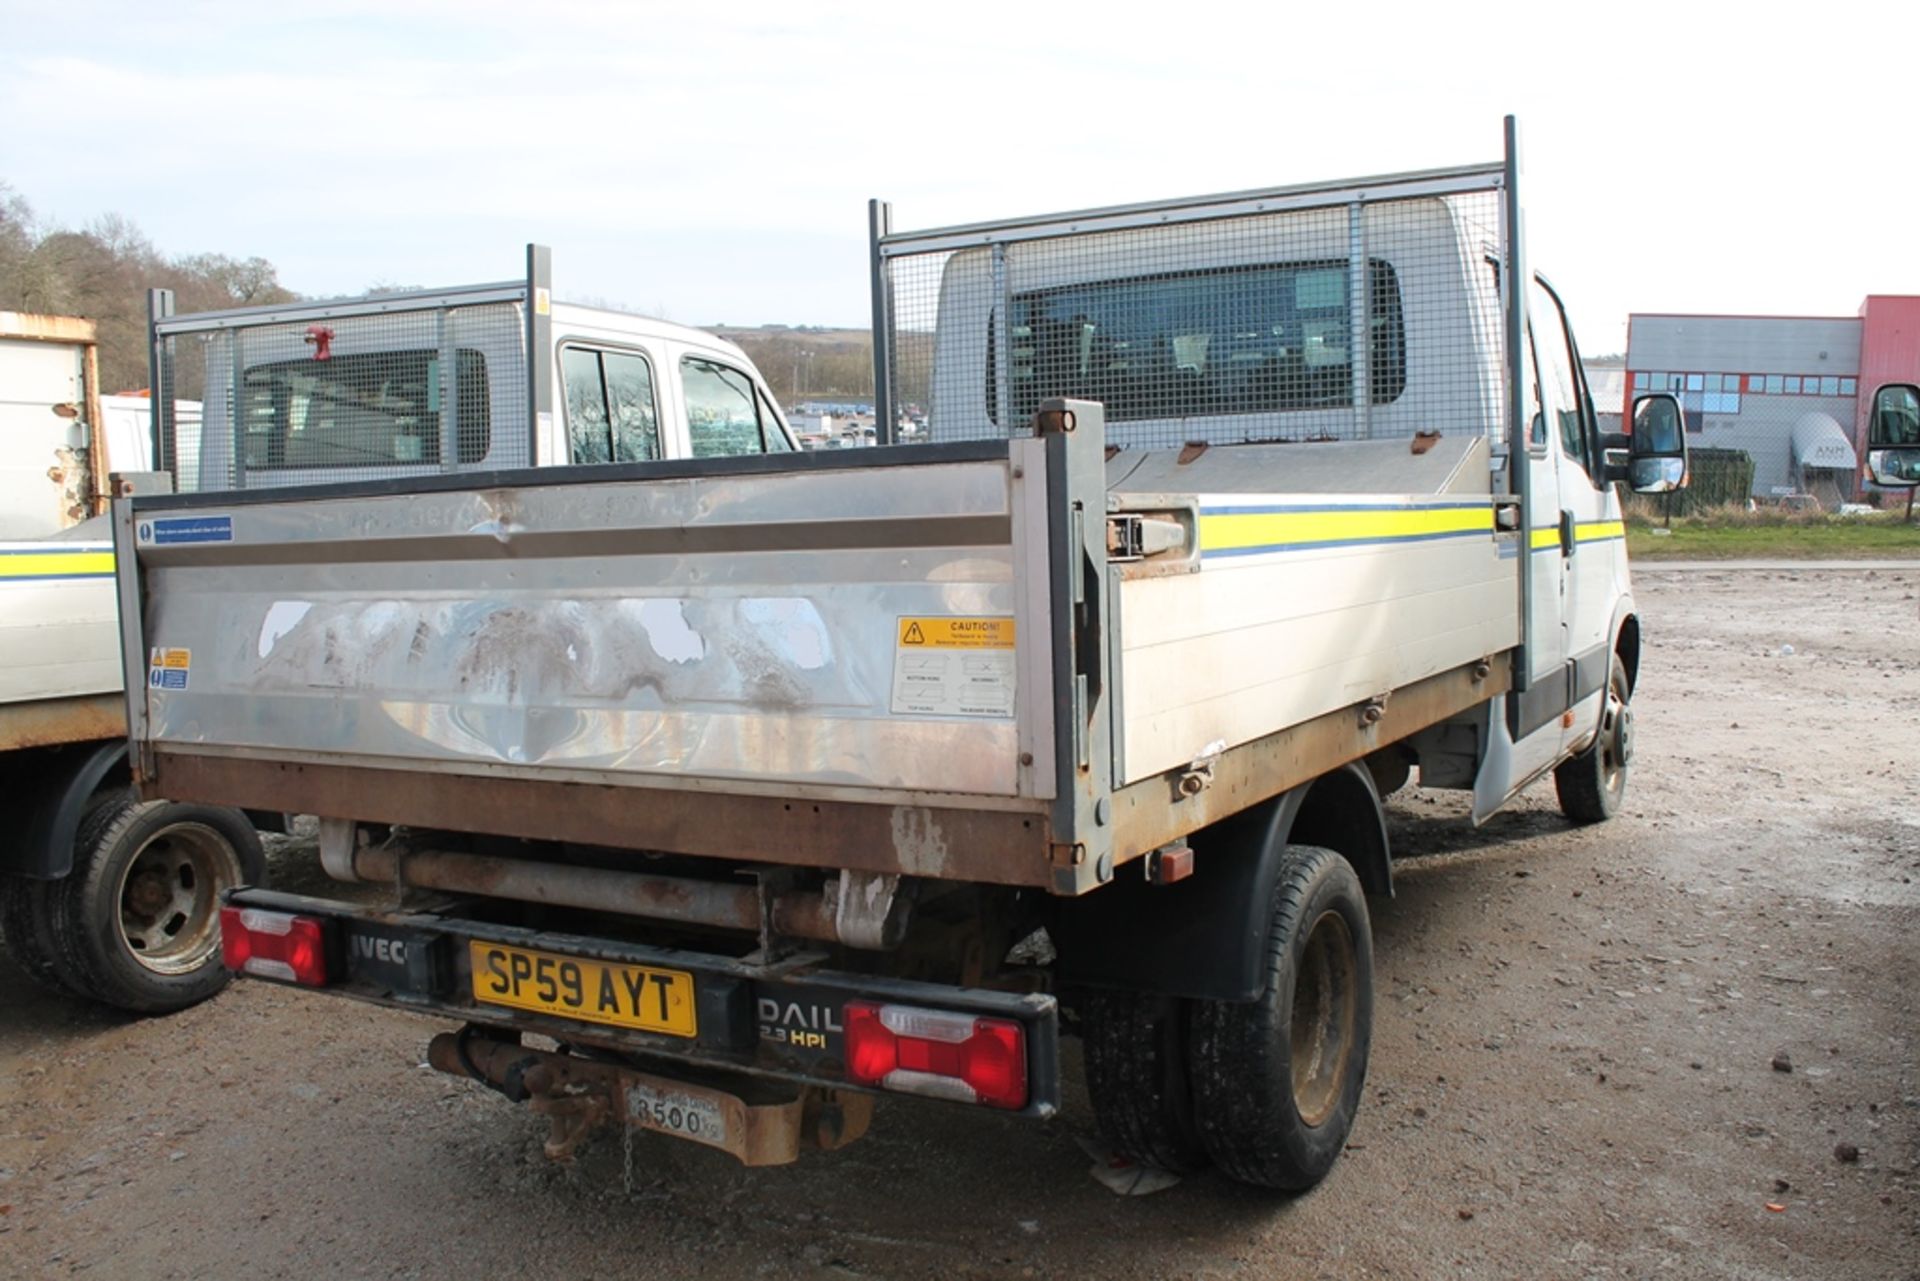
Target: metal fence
407,385
1333,313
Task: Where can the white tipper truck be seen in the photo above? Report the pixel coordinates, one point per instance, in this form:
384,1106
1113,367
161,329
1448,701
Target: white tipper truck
117,900
101,895
766,786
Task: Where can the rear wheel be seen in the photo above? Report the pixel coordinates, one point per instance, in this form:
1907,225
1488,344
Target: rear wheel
1277,1081
23,922
1136,1050
1592,784
137,922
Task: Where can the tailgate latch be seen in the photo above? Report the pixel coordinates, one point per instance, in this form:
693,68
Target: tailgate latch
1134,536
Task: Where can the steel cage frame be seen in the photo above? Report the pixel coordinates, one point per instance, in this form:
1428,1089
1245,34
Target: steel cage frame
1501,177
533,295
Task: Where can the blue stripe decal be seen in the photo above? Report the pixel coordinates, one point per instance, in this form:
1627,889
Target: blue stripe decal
1316,545
1266,510
63,549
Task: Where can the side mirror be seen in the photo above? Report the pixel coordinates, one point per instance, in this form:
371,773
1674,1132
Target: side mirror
1893,437
1657,449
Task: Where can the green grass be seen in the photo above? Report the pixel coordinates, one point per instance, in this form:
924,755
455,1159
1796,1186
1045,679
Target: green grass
1768,535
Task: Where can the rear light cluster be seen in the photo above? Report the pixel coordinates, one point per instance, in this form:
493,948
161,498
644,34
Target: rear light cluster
938,1053
274,945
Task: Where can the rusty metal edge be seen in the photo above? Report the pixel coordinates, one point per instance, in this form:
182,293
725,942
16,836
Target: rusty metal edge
1148,813
997,847
49,722
36,326
97,461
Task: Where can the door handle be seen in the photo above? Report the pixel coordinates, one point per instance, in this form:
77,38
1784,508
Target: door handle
1566,532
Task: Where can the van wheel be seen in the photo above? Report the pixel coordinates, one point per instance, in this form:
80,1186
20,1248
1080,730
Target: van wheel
1277,1081
1136,1051
1592,784
137,922
24,925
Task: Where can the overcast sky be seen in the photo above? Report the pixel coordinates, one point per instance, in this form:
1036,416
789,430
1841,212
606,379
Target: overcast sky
712,163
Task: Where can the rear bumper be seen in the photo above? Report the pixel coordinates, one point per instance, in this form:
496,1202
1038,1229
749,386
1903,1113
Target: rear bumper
780,1021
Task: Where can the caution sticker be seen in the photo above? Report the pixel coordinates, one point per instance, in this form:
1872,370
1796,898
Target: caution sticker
954,667
956,633
169,668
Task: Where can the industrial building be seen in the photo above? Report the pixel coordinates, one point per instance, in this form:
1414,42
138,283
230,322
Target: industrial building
1781,401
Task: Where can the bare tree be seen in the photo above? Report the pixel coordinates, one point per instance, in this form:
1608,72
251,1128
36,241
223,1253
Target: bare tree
103,271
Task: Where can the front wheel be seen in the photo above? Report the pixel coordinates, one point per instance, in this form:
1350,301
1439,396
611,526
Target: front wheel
137,921
1592,784
1277,1081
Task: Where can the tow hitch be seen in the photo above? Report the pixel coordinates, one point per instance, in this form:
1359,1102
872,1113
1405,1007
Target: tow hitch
758,1123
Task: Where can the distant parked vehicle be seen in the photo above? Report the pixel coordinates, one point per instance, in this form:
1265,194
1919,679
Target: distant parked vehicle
102,895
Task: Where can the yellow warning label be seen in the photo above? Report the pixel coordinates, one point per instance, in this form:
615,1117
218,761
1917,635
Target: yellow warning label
956,633
179,659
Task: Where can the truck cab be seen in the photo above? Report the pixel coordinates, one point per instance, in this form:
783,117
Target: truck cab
1276,319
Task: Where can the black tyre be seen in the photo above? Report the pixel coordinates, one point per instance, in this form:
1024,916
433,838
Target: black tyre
1277,1081
24,923
137,922
1592,784
1136,1052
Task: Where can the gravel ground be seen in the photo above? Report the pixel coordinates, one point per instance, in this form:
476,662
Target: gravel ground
1576,1065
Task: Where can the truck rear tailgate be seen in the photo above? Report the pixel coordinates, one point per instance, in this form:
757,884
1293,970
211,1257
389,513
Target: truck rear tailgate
820,628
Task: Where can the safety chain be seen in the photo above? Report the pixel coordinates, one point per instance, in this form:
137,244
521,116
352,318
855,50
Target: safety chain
626,1143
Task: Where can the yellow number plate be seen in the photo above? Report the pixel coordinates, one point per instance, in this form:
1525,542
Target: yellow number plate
575,987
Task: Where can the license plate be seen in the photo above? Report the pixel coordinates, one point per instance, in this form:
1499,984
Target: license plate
575,987
675,1112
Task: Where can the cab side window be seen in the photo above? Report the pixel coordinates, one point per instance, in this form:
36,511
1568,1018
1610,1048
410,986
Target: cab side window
1562,387
777,442
611,413
725,415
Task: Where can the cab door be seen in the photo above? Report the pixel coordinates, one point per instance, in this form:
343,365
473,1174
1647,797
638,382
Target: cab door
1596,557
1524,734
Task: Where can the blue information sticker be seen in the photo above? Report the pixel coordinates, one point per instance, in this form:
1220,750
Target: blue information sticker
193,529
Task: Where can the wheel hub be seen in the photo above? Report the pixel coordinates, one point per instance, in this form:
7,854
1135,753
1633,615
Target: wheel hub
1325,1014
170,897
148,892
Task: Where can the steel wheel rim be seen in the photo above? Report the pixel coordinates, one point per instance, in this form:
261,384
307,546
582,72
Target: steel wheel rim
1616,739
1326,1010
169,898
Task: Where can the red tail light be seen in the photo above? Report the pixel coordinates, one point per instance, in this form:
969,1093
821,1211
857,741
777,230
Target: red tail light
274,945
938,1053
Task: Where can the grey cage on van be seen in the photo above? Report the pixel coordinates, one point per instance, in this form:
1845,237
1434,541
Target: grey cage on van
1310,313
379,388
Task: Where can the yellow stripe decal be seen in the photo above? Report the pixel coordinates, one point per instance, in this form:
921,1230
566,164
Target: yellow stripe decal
1229,532
17,565
1592,531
